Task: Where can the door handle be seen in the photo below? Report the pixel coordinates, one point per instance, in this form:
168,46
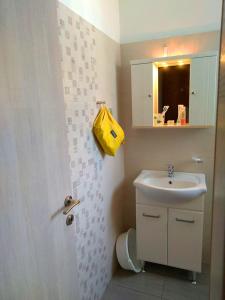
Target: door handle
185,221
151,216
69,203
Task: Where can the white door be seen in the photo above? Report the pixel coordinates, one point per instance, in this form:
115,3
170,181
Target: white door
203,91
151,223
142,94
37,249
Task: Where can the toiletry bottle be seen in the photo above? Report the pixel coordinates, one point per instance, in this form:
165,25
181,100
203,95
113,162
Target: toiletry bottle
183,116
180,106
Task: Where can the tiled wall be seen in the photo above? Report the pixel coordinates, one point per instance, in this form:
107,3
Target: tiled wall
89,65
154,149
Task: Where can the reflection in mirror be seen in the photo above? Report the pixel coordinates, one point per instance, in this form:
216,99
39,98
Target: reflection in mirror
173,89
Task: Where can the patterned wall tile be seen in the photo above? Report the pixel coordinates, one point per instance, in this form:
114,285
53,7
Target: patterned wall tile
80,81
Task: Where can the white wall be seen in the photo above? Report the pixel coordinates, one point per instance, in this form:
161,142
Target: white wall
148,19
103,14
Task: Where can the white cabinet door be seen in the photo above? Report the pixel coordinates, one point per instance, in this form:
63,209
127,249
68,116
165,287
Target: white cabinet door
152,234
185,233
203,91
142,94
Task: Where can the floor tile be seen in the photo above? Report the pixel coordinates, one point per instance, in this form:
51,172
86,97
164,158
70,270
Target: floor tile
158,282
178,289
115,292
148,283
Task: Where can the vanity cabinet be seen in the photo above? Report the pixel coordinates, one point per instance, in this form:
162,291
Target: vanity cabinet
196,89
170,234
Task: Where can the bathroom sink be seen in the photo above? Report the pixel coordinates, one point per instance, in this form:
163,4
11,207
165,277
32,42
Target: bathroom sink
182,186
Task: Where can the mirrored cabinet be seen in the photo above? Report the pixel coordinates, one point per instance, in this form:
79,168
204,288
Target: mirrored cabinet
179,91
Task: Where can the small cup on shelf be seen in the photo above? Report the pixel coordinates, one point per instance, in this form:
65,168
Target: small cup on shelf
159,119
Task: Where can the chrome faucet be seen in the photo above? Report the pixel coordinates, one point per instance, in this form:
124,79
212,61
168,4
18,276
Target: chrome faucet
170,170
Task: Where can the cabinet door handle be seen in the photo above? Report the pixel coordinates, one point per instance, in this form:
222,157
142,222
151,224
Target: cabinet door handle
151,216
185,221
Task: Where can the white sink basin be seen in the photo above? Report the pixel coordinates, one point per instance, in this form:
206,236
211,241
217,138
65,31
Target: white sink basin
183,186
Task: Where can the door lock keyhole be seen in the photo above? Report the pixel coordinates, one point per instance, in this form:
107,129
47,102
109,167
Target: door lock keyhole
69,219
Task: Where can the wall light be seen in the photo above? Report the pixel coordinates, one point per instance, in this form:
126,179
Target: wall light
180,63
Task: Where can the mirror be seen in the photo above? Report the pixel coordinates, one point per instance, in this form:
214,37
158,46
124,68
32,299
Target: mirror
173,90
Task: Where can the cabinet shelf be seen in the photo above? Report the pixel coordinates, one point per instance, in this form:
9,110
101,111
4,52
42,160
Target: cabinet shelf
174,127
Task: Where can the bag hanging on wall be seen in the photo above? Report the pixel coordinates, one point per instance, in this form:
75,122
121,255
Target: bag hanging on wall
108,132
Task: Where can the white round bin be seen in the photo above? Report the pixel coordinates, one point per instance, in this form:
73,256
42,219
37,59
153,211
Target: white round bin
126,251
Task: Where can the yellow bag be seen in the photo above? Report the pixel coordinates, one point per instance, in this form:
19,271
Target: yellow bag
108,132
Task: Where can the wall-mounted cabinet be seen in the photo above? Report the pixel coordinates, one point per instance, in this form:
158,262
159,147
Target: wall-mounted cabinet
188,81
